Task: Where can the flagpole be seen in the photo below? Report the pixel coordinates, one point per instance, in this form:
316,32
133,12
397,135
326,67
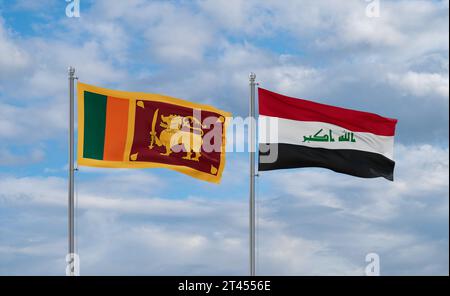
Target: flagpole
71,208
252,78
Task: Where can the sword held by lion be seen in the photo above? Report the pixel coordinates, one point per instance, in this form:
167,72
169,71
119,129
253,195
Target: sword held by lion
178,130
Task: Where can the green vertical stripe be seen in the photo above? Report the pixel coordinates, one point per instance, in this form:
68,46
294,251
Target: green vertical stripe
94,125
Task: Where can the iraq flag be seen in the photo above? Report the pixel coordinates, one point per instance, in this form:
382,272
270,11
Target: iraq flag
295,133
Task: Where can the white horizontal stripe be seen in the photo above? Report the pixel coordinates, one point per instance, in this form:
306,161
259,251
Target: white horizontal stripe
280,130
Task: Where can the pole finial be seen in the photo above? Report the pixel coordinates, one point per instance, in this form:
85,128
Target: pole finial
252,76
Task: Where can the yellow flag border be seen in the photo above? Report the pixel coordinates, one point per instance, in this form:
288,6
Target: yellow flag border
126,163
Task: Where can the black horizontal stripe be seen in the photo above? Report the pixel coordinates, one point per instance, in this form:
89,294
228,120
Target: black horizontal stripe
352,162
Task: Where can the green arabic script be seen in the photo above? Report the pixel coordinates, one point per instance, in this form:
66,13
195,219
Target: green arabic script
328,137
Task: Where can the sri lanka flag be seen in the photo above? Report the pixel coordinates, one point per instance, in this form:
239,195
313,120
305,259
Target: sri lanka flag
118,129
309,134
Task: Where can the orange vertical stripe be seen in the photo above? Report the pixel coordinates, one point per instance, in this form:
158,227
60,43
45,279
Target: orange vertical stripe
116,128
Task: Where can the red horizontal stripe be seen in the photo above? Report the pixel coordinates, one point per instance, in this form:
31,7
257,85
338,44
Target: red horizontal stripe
276,105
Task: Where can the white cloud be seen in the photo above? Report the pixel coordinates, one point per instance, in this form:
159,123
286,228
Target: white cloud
311,221
173,33
224,81
324,224
238,16
350,217
345,24
9,158
35,6
34,105
13,59
54,57
26,125
421,84
378,199
179,38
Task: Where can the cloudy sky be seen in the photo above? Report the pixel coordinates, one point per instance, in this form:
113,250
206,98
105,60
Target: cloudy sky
159,222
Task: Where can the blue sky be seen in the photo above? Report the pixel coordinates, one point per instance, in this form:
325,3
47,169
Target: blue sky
159,222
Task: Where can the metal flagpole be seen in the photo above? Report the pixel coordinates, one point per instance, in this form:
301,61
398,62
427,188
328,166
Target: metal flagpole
252,78
71,173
